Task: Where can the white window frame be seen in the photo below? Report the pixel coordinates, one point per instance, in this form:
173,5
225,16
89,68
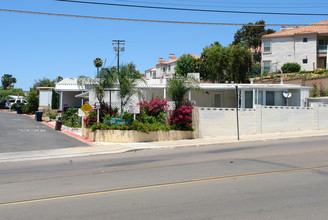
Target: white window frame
270,43
264,61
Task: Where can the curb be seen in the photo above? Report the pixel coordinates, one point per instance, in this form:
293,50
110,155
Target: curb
78,137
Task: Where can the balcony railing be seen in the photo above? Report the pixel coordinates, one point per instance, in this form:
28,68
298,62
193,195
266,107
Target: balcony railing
322,49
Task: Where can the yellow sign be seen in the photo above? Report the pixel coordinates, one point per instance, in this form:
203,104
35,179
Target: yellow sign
86,108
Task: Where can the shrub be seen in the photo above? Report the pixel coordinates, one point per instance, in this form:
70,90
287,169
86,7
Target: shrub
53,115
181,118
14,105
126,115
91,119
70,118
153,107
319,71
291,68
148,119
33,102
136,126
318,90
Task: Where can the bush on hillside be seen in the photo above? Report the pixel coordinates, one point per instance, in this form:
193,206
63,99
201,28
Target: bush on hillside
291,68
319,70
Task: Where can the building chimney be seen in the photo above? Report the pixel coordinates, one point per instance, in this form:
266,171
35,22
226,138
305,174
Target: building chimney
161,60
172,57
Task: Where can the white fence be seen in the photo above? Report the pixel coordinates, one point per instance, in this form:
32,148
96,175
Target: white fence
216,122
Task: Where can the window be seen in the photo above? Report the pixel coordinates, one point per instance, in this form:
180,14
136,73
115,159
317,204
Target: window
164,70
217,100
248,99
305,39
305,61
266,66
169,68
267,46
269,98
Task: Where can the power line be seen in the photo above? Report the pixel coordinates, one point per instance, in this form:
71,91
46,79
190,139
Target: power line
223,4
155,21
193,9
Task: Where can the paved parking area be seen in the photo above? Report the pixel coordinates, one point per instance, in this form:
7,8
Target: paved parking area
22,133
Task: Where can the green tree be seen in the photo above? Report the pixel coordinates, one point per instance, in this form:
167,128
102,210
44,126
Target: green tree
185,64
178,86
214,62
105,79
5,93
54,100
240,63
45,82
127,79
98,63
7,80
250,36
33,101
58,79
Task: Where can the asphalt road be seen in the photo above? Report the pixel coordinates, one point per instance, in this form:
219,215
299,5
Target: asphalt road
284,179
22,133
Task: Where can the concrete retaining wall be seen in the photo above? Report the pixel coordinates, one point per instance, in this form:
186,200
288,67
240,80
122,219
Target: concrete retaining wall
127,136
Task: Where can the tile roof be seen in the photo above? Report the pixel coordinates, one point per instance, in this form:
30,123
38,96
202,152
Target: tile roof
319,27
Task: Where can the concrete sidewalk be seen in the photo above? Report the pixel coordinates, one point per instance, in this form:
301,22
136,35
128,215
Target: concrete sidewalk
97,148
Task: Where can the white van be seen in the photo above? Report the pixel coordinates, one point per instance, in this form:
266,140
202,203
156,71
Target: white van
9,102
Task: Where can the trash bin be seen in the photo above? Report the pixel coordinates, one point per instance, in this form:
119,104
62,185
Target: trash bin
38,115
58,125
19,109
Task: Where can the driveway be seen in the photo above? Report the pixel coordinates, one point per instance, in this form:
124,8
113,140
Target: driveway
22,133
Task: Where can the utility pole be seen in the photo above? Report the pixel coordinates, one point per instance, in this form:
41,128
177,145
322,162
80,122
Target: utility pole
237,106
118,45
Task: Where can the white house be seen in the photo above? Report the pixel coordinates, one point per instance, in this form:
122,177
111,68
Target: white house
45,97
213,95
305,45
163,69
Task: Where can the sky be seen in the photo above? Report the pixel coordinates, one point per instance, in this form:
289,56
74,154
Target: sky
34,47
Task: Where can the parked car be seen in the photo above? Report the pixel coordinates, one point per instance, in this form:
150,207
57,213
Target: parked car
9,102
2,103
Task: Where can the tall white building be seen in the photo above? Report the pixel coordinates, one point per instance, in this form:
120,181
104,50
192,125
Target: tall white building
163,69
305,45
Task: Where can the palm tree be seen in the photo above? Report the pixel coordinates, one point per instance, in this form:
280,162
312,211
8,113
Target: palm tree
178,86
59,78
7,80
105,79
98,63
127,78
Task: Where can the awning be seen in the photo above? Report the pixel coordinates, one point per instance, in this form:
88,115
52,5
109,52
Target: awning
83,95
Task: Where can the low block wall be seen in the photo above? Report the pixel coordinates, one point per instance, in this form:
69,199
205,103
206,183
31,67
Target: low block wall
219,122
128,136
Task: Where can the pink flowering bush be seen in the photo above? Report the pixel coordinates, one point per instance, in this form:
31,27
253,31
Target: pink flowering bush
153,107
318,90
91,118
181,118
152,118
